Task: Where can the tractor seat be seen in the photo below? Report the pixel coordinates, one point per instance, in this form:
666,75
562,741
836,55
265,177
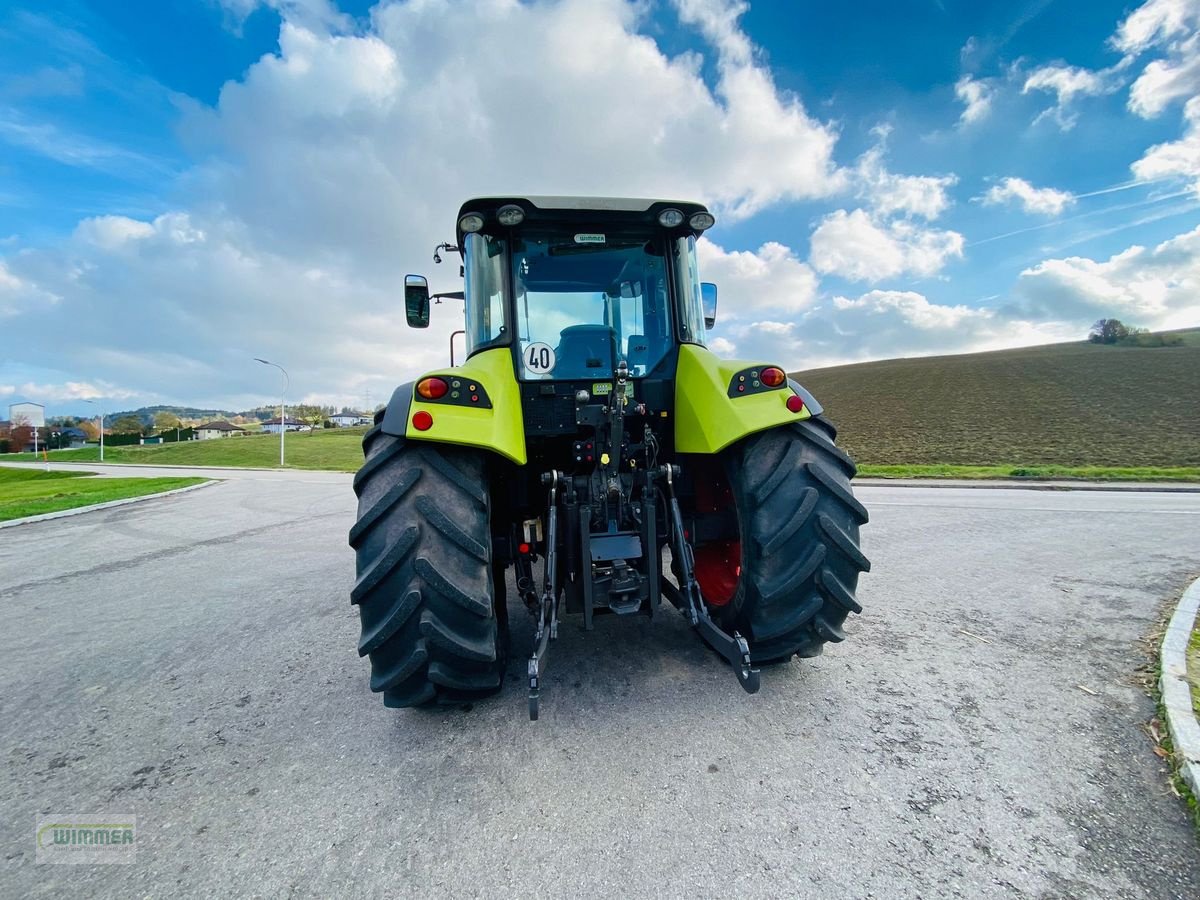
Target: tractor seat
585,351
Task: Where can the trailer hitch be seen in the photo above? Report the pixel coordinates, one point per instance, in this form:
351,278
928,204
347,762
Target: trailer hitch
547,629
687,597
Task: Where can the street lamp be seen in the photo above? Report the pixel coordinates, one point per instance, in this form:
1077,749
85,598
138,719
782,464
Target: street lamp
287,382
93,402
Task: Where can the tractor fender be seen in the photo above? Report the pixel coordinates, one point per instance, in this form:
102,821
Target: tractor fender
814,407
481,408
710,412
395,415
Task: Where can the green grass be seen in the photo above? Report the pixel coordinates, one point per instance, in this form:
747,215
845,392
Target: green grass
1088,473
31,492
1075,404
335,448
1193,667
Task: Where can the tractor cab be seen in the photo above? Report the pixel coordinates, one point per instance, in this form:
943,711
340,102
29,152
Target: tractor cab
576,286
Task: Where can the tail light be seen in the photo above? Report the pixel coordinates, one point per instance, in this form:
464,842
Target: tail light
422,420
432,388
795,403
773,376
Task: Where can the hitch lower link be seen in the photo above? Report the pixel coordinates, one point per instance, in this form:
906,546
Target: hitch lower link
733,647
547,629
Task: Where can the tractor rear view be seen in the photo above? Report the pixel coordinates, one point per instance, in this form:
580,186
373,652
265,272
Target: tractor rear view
587,431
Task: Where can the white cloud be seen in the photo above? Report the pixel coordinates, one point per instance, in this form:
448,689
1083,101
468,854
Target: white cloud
1158,288
907,195
65,392
1039,201
1164,81
111,232
334,165
1171,27
883,324
1155,22
318,13
18,295
855,246
976,97
771,279
1181,157
1067,83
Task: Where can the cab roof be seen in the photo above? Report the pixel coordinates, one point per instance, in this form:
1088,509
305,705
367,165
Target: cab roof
595,211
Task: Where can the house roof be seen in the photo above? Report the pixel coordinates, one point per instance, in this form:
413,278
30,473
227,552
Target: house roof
218,426
275,421
349,415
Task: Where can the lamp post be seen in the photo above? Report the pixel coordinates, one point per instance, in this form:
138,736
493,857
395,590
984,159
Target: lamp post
287,382
93,402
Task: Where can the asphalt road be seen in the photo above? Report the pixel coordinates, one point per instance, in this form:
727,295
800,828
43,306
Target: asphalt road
191,661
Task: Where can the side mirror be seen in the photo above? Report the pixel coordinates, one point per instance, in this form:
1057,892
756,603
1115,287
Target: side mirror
708,299
416,301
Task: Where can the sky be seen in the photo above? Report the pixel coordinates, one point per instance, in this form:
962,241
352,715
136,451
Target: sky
186,185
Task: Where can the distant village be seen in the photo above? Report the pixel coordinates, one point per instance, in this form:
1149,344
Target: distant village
28,428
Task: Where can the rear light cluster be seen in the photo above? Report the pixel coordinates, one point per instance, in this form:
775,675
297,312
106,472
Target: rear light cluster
432,388
756,380
447,390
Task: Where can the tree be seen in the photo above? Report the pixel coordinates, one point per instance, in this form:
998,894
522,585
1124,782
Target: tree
165,420
127,424
90,429
312,416
20,434
1109,331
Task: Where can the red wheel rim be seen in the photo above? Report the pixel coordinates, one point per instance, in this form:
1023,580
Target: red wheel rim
718,569
718,563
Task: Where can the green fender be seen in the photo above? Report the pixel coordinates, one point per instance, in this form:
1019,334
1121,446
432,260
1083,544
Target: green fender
500,428
707,419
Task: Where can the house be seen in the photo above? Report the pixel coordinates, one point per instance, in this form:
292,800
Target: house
350,419
210,430
271,426
72,438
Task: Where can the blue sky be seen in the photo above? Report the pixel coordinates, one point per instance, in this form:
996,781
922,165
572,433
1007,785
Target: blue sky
187,185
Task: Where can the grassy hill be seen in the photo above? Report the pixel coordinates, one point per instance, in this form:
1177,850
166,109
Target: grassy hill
1075,404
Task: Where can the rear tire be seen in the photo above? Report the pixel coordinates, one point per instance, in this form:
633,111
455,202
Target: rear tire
424,589
800,557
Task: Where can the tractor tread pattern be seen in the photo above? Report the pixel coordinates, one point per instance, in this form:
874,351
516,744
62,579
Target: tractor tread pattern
833,589
381,681
808,503
385,564
390,499
800,554
439,520
375,462
444,636
842,492
389,626
424,587
792,578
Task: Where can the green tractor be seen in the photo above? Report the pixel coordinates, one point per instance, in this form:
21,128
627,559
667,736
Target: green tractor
587,431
